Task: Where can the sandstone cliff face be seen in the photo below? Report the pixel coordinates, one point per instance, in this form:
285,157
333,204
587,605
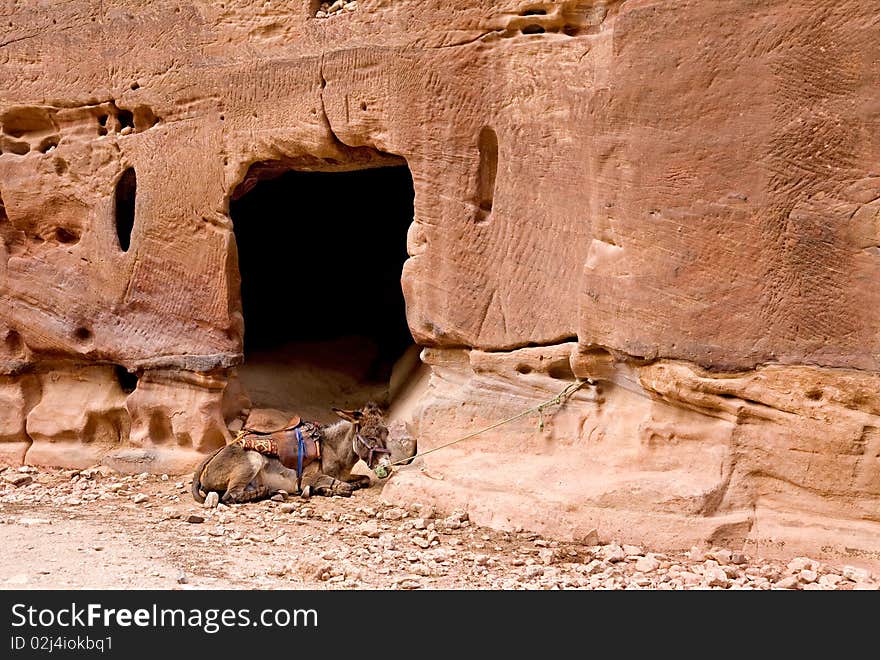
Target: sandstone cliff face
676,199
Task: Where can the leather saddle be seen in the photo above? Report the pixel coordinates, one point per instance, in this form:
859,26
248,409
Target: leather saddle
283,444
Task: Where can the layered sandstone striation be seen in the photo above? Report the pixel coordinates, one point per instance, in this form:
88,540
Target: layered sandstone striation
677,200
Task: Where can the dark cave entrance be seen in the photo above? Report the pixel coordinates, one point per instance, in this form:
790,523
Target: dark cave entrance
320,256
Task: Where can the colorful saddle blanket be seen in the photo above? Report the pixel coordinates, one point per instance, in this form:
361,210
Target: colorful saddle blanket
284,444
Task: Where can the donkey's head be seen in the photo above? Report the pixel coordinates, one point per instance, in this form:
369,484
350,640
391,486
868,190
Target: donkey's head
370,437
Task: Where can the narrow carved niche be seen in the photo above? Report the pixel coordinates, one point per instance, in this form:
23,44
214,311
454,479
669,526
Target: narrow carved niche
126,191
488,146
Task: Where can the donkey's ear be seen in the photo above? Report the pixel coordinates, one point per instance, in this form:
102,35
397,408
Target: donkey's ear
353,416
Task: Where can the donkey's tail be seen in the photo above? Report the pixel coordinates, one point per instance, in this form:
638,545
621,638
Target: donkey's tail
197,477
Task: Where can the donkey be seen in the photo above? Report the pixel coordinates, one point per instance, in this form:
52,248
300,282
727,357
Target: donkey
243,475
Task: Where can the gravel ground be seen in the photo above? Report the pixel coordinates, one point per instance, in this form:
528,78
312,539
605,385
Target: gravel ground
68,529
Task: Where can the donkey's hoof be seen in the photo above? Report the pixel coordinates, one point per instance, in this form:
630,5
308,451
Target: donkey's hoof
340,489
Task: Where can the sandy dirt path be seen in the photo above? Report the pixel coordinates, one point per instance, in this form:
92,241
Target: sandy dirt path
93,529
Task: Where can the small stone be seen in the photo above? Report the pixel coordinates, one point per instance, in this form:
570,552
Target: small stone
715,577
409,584
306,492
212,499
855,574
115,487
799,564
533,572
369,529
738,558
807,575
287,508
277,497
336,6
393,514
140,498
419,523
696,554
421,542
547,556
18,480
633,550
830,580
194,519
647,564
689,579
590,538
181,578
612,553
164,477
790,582
720,555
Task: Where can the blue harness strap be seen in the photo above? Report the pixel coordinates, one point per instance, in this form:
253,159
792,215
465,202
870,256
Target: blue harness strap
300,452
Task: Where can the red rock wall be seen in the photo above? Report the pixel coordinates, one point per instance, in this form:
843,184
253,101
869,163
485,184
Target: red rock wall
679,199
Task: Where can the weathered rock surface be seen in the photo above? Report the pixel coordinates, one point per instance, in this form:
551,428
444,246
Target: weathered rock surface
676,200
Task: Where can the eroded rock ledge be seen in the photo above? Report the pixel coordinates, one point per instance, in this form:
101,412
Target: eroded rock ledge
780,459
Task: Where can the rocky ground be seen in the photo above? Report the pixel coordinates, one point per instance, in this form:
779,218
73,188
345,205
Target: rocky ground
334,7
93,529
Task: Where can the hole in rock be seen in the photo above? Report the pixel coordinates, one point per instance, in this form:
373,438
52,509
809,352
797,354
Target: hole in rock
560,370
534,12
82,333
64,235
533,29
488,169
15,147
814,394
13,341
126,191
127,380
126,119
320,256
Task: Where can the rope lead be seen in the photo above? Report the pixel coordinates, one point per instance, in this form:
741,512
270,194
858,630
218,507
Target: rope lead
559,399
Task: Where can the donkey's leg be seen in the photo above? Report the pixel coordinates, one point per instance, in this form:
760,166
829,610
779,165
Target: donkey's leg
355,481
276,477
324,484
243,485
359,481
243,496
